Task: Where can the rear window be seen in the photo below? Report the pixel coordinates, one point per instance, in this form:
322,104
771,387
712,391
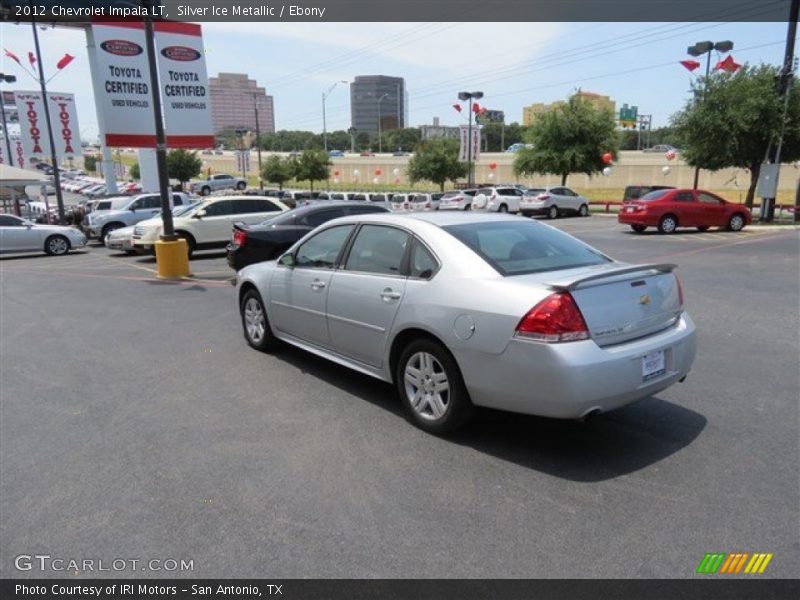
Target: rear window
655,195
518,248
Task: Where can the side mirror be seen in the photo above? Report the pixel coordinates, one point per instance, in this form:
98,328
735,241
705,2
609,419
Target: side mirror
287,260
200,214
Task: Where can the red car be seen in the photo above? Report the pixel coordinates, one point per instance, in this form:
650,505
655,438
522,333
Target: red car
669,209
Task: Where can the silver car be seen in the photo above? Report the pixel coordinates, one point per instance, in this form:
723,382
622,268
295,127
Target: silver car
21,235
553,201
459,310
120,239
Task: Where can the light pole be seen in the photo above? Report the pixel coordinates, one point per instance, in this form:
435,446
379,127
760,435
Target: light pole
380,141
258,144
699,49
6,79
241,133
53,157
324,124
470,96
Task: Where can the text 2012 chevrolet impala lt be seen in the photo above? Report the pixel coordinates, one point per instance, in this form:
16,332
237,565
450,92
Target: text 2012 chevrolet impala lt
461,310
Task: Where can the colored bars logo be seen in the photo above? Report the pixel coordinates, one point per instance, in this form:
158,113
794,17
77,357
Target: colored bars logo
734,563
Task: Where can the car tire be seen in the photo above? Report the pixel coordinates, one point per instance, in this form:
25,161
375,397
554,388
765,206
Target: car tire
255,324
736,222
668,224
702,228
56,245
638,228
423,366
106,230
502,208
205,190
190,244
583,210
552,212
241,185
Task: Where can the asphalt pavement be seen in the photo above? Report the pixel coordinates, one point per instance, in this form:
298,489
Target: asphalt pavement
136,423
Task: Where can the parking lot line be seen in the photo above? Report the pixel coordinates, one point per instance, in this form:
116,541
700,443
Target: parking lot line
722,245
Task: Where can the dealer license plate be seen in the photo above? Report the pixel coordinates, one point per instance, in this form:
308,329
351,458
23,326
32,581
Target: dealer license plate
653,365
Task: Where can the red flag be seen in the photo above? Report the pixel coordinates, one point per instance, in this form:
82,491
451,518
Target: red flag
690,64
64,61
483,110
31,58
457,107
728,64
476,108
12,56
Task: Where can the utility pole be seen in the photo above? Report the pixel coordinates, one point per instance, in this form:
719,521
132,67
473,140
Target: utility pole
258,144
324,123
53,157
767,213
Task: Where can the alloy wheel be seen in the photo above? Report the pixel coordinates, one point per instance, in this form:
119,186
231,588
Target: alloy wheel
58,245
426,385
254,320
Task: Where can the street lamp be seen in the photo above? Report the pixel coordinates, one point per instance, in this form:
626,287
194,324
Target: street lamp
258,144
706,48
324,124
470,96
6,79
380,143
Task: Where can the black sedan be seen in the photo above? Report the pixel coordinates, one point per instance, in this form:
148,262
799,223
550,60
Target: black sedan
267,240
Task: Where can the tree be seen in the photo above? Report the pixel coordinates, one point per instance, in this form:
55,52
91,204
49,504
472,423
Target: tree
277,170
183,165
735,118
570,138
436,161
312,166
134,171
402,139
90,162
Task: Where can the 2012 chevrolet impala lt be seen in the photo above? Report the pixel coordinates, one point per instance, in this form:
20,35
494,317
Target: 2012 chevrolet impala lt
461,310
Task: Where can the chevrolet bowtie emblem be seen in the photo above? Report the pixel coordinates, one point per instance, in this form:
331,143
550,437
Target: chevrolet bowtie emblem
644,299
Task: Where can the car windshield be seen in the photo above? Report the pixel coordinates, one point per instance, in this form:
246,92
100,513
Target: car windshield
518,248
654,195
180,210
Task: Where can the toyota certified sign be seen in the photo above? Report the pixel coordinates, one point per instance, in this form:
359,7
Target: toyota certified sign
180,53
121,47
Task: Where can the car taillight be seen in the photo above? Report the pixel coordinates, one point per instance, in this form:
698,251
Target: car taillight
239,238
427,205
494,197
543,196
557,318
680,291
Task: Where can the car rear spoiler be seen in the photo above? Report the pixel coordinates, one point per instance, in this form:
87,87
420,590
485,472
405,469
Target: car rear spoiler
567,285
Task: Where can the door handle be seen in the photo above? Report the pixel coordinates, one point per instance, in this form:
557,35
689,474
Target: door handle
388,294
317,284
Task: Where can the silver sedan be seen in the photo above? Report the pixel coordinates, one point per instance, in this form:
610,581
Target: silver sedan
120,239
461,310
21,235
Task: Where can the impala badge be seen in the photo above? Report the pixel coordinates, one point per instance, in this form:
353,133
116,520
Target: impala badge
644,299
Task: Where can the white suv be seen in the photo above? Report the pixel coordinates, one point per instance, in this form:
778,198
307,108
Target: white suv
208,224
501,199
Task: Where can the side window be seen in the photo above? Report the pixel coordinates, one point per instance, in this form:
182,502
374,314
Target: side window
708,199
9,221
219,209
360,197
569,192
322,250
150,202
423,265
684,197
315,219
378,249
557,191
266,206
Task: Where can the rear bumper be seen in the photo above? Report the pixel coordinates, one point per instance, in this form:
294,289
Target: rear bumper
635,219
570,380
529,211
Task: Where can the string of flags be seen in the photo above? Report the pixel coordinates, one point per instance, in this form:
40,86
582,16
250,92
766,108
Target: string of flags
727,64
62,62
476,108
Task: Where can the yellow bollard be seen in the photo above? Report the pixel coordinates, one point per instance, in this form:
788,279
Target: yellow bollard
172,259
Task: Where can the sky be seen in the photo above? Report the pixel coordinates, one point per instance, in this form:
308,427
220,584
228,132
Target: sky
513,64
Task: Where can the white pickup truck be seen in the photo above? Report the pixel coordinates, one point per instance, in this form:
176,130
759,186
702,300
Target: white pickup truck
216,183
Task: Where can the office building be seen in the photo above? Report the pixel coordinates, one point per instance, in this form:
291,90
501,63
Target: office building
374,97
233,98
598,101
